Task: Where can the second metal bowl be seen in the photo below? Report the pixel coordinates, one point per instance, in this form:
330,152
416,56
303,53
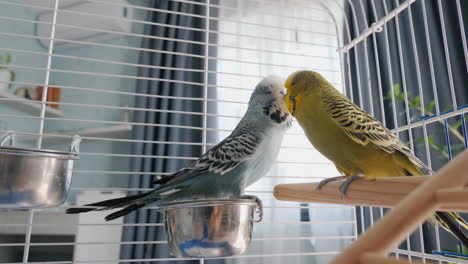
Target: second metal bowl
33,178
209,228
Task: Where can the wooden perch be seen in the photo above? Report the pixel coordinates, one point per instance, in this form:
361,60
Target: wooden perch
422,196
385,192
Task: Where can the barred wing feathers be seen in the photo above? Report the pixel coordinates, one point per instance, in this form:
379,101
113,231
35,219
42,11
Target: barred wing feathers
221,159
364,129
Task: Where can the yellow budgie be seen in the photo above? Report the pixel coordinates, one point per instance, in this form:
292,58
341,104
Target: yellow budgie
359,145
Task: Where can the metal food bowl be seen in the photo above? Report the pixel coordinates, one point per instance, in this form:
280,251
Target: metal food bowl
32,178
209,228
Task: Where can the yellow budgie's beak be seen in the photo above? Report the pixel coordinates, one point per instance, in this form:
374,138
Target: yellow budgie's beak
290,99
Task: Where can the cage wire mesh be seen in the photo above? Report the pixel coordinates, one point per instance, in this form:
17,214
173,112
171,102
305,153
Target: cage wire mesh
150,85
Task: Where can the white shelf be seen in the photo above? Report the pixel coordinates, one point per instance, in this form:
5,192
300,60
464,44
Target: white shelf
118,131
26,105
104,131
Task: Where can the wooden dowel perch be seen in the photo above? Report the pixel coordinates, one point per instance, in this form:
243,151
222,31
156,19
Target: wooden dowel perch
386,192
419,197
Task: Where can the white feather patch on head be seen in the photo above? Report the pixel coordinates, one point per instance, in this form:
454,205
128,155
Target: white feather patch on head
274,80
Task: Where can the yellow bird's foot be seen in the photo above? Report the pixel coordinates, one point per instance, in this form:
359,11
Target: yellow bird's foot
348,181
327,180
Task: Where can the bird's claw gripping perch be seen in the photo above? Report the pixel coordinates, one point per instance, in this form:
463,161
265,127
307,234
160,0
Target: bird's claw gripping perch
259,207
327,180
344,186
259,210
347,182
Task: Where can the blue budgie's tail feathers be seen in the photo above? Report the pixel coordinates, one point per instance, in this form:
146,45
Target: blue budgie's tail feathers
130,208
130,203
107,204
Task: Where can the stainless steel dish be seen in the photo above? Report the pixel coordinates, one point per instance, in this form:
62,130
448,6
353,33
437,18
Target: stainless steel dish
209,228
32,178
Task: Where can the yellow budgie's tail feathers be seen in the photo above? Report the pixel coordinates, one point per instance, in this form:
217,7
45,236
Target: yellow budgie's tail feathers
459,220
410,164
450,222
417,162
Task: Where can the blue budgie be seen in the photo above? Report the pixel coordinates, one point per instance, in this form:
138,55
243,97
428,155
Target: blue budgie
225,170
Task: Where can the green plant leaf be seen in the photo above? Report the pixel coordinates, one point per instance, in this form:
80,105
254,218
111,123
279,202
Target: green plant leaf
12,76
430,139
396,89
429,107
464,249
458,124
8,58
400,97
415,102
